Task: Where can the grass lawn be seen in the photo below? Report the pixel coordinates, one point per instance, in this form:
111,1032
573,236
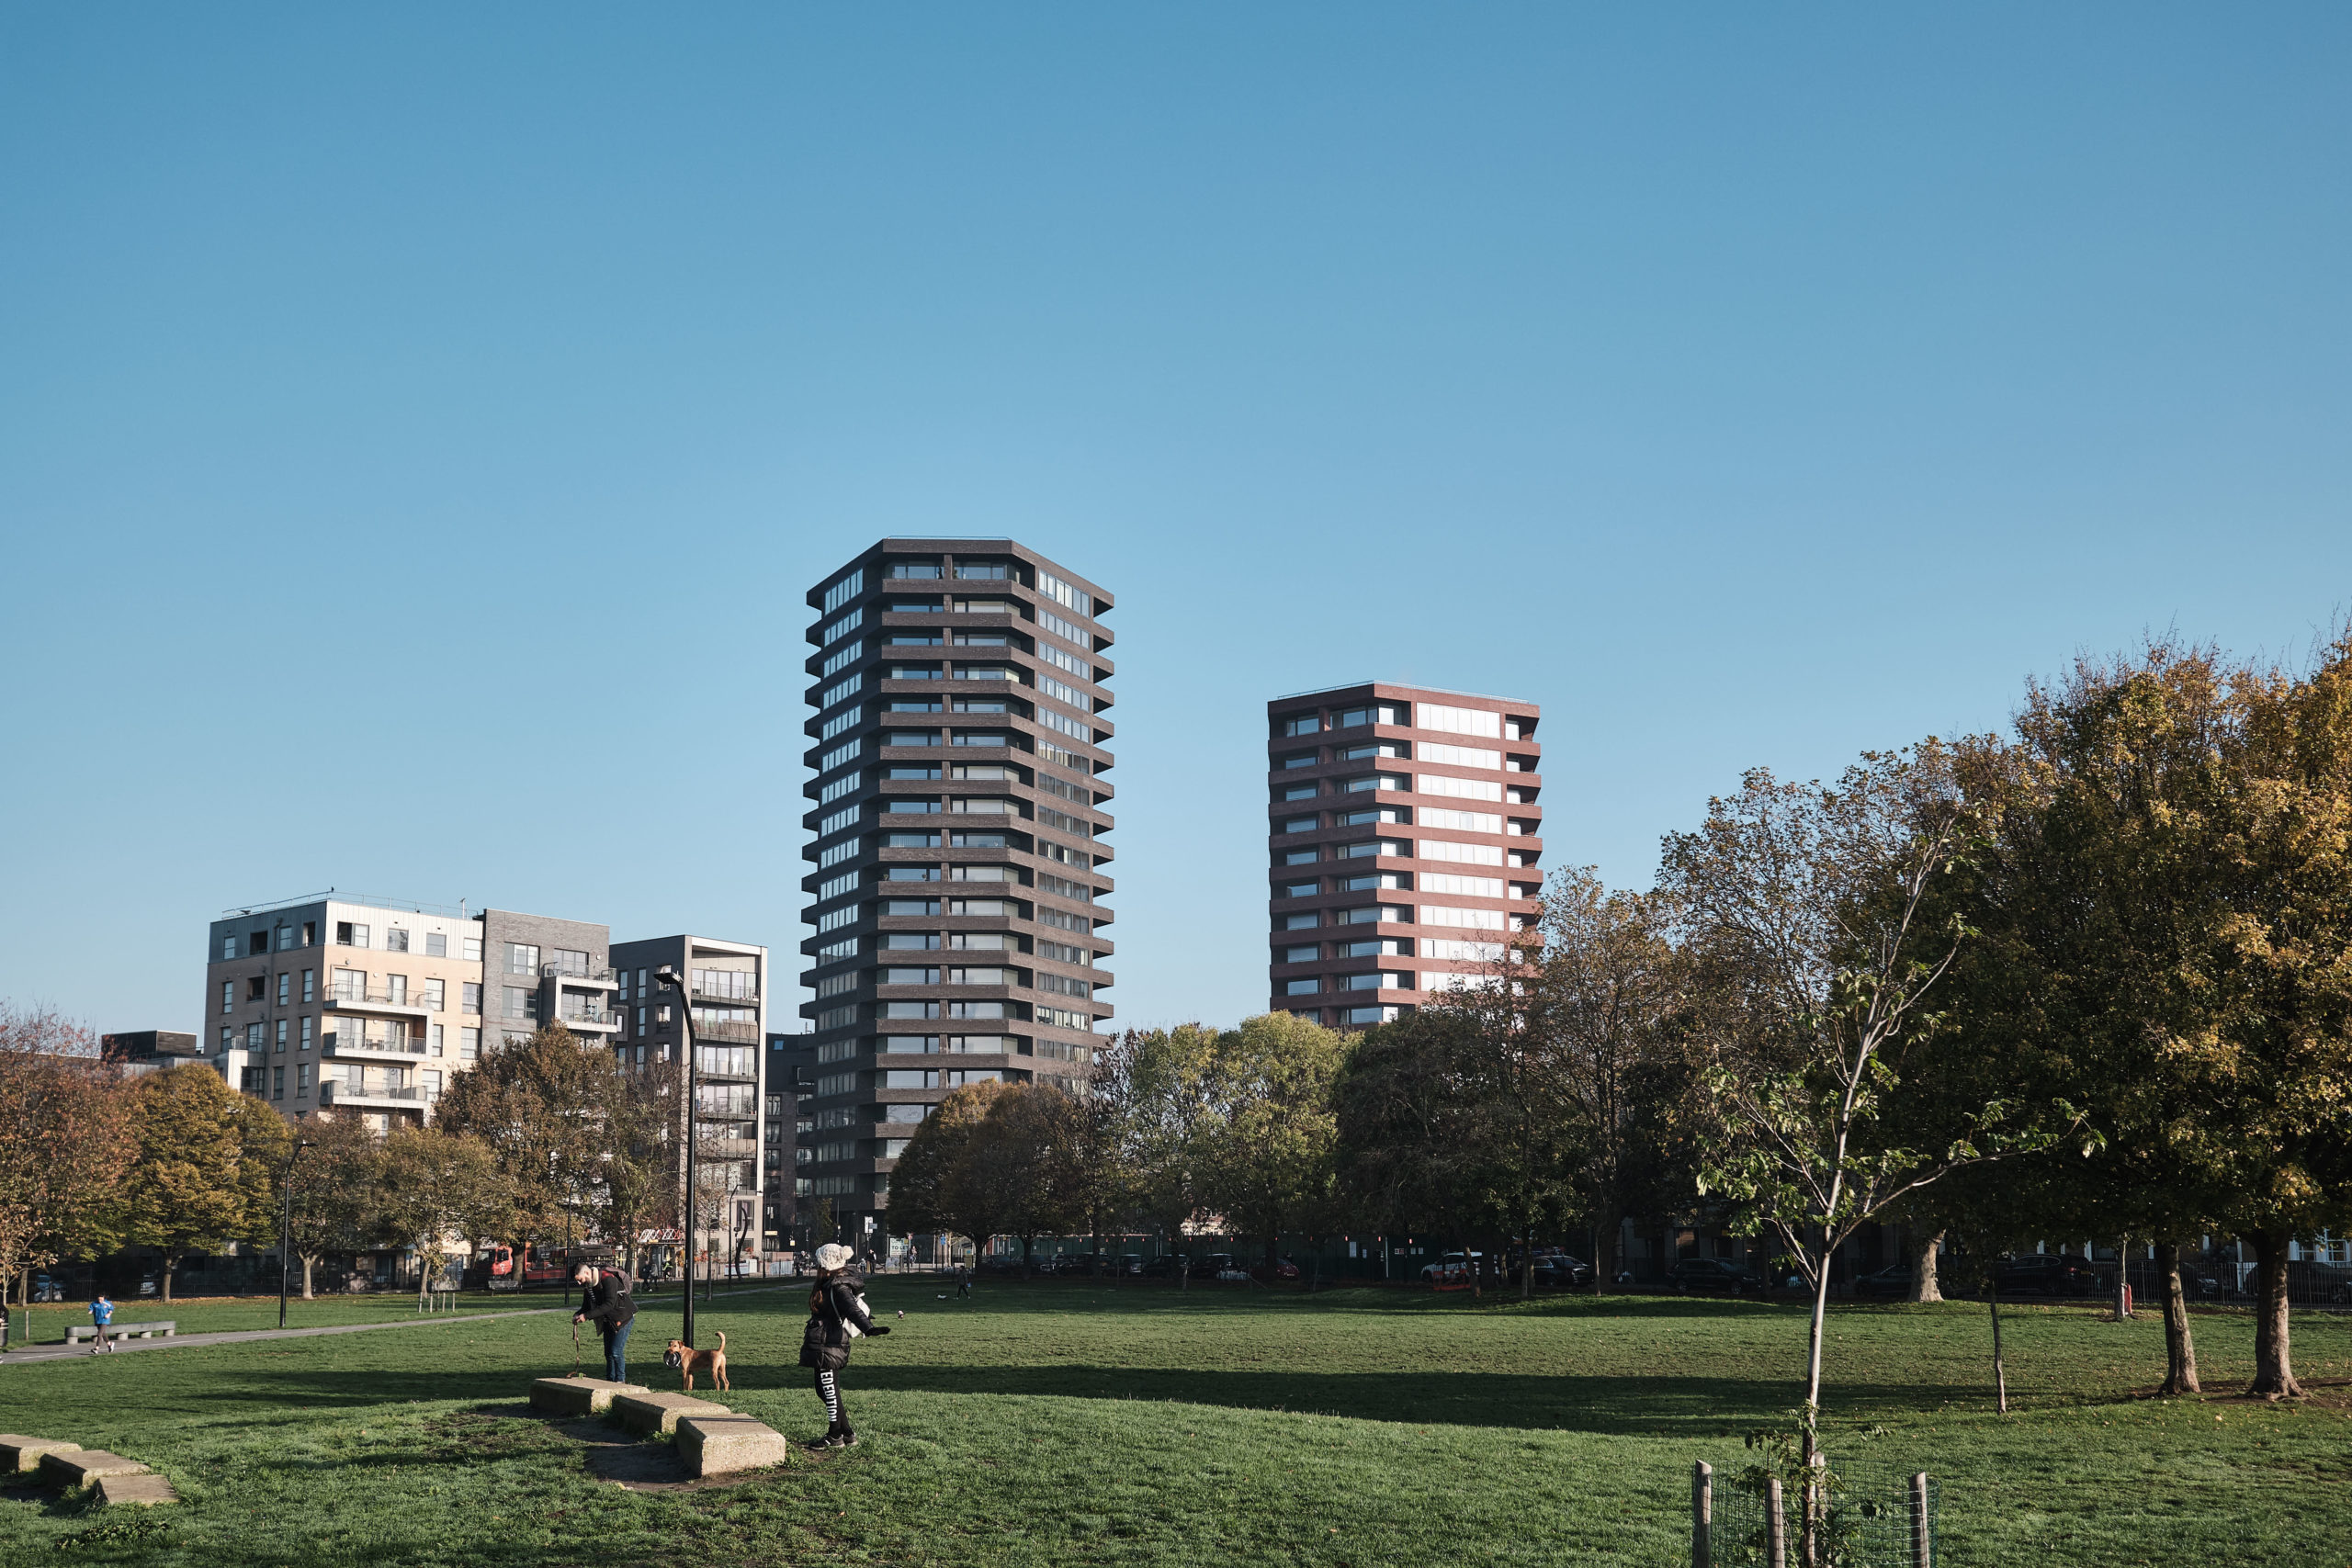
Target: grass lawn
45,1322
1065,1422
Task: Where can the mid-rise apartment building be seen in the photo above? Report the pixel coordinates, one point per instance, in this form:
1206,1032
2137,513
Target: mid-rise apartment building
727,987
340,1005
1405,838
960,811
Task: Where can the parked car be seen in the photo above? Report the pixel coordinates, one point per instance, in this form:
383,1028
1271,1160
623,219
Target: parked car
1714,1276
1560,1271
2045,1274
48,1288
1280,1269
1890,1284
1452,1268
1215,1266
2315,1283
1166,1266
1130,1263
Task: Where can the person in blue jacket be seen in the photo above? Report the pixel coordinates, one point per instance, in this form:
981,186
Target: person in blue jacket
102,1314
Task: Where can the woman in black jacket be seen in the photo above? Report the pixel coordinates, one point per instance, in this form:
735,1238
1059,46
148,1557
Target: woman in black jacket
837,1314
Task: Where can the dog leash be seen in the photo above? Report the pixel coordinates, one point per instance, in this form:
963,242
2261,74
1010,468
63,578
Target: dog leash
575,1350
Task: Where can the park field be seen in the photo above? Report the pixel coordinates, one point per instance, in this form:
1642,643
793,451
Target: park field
1069,1422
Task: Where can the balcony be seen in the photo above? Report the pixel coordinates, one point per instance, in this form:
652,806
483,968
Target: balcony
595,1020
746,998
599,978
726,1034
333,1093
362,1049
351,998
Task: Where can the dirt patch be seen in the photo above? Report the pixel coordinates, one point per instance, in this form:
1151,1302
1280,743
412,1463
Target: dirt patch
638,1464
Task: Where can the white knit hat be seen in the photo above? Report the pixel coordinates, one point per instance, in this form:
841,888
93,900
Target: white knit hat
832,1256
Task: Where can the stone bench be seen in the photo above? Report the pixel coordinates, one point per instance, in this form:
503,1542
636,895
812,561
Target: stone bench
79,1333
20,1454
657,1413
715,1445
70,1467
579,1396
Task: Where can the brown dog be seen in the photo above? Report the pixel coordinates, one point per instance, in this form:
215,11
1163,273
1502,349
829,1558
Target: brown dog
689,1360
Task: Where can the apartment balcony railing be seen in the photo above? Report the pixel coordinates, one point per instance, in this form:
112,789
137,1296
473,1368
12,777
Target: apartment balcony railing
337,1045
601,974
353,996
600,1017
331,1091
731,1034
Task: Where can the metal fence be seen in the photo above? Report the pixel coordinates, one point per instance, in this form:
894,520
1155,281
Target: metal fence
1853,1515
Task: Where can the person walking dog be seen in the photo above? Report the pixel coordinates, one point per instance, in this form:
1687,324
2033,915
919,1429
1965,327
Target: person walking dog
102,1314
837,1314
605,1301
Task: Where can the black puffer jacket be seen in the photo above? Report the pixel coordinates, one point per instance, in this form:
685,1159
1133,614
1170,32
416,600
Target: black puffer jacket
833,1306
608,1303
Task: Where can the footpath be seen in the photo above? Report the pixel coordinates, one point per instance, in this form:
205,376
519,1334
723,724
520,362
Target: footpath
29,1353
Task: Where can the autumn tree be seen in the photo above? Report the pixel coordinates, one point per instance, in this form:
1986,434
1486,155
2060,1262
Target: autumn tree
437,1188
206,1168
1801,907
67,1139
928,1191
1403,1126
1165,1076
334,1205
551,1109
1266,1137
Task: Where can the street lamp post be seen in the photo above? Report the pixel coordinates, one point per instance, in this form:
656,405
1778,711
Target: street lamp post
285,1227
669,979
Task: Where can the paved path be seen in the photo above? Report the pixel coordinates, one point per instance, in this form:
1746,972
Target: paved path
237,1336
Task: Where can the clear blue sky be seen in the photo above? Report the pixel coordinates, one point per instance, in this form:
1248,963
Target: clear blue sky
418,429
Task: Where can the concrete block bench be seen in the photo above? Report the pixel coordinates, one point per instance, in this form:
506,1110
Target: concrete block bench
655,1413
20,1454
78,1467
579,1396
143,1487
715,1445
82,1332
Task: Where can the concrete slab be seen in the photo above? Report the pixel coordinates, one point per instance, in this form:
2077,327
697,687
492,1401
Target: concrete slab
82,1466
24,1453
660,1411
578,1397
716,1445
145,1489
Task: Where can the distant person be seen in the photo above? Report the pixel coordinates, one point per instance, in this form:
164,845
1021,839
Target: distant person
102,1314
607,1301
837,1314
963,1282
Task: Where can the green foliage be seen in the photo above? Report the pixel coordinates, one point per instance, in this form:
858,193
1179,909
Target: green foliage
206,1168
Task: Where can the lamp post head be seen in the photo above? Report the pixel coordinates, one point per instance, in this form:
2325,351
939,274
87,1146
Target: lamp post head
668,977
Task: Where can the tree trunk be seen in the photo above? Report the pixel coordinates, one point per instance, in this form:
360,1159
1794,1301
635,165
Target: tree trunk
1604,1258
1811,1412
2274,1365
2123,1279
2180,1350
171,1267
2000,1371
1924,1287
307,1262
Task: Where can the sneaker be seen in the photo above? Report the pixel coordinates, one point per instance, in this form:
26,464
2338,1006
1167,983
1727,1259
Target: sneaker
846,1440
817,1444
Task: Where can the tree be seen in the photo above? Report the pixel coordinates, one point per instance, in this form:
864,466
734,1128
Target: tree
928,1191
336,1183
1093,1144
1801,906
1010,1166
1165,1092
1610,994
67,1139
436,1190
1403,1124
552,1110
205,1170
1268,1137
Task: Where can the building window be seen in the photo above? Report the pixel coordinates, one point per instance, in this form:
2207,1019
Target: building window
469,997
521,958
432,1033
310,984
432,1084
436,945
472,950
1295,890
255,987
277,1046
285,988
1305,987
1300,792
437,995
228,947
570,961
1301,857
522,1002
227,1034
254,1038
228,996
302,1080
277,1083
349,935
469,1044
1300,954
1308,922
1299,724
396,940
308,1023
1302,759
